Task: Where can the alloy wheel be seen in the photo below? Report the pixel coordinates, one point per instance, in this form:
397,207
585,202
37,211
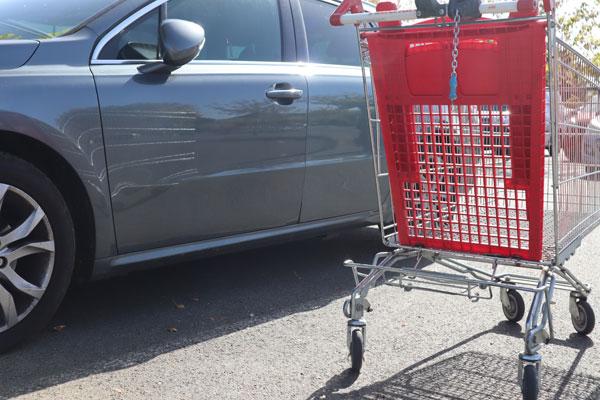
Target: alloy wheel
26,255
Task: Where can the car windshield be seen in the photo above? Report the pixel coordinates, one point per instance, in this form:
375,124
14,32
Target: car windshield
45,19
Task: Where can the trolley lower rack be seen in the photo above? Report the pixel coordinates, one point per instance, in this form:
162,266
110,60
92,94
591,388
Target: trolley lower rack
462,279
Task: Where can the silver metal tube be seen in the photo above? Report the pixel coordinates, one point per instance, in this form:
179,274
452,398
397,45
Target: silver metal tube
553,124
408,15
437,277
435,255
370,28
471,271
566,274
532,325
372,138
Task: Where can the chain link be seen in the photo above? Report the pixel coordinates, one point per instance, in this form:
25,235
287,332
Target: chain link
454,77
455,42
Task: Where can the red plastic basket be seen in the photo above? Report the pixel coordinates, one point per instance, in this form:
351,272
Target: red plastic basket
466,177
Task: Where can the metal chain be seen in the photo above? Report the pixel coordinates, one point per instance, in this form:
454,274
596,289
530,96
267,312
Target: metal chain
455,42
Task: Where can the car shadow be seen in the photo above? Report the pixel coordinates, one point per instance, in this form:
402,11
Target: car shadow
125,321
471,375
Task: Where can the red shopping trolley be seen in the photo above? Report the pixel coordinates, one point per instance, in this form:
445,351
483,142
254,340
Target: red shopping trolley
467,176
460,108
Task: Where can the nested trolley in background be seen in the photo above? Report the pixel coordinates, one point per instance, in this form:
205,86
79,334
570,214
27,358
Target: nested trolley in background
486,137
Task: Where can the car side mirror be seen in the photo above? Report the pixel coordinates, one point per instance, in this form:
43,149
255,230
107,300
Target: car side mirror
180,41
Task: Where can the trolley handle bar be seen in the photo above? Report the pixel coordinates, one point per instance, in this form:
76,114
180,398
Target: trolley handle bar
352,6
351,12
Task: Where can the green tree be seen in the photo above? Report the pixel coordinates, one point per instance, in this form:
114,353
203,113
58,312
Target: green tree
580,26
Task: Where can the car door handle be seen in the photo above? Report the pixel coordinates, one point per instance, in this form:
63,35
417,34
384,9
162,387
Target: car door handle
285,94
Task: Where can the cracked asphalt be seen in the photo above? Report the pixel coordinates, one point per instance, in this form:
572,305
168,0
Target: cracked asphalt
267,324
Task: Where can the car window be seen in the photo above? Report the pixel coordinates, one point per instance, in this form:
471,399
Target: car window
238,30
139,41
328,44
245,30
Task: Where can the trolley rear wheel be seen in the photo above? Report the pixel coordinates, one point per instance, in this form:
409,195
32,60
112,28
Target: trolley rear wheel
357,350
585,321
516,310
530,384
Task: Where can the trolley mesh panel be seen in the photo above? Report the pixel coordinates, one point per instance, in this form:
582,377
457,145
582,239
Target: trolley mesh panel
578,153
465,177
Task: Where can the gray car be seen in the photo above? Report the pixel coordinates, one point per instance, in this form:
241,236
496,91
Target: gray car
118,153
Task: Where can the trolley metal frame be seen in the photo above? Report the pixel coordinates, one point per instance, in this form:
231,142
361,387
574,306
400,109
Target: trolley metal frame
561,237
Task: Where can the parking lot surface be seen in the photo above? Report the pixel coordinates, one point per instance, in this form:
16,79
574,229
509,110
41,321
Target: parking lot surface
267,324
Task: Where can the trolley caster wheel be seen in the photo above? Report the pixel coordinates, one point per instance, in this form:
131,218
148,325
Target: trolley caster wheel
530,384
516,308
357,350
585,321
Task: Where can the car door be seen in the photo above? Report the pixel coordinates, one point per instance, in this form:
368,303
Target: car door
339,173
211,149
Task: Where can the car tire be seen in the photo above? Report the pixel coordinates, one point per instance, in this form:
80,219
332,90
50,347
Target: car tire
37,250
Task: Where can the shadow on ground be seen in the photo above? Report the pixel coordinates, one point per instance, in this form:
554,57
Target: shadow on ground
470,375
126,321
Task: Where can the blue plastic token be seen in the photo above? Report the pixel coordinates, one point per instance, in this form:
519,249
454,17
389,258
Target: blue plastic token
453,87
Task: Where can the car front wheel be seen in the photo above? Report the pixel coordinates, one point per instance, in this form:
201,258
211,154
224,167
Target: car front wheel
37,250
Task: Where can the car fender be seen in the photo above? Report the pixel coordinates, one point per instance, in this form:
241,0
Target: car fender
58,107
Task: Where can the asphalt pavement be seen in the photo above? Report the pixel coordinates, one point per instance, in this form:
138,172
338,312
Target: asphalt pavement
267,324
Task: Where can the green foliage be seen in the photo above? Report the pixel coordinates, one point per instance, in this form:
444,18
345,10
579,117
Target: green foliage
52,35
580,26
9,36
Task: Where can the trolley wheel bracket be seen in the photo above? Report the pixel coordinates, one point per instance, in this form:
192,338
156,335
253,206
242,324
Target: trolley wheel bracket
542,337
359,307
504,299
346,308
575,298
354,324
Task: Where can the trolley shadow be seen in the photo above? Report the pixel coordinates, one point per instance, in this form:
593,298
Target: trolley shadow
471,375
